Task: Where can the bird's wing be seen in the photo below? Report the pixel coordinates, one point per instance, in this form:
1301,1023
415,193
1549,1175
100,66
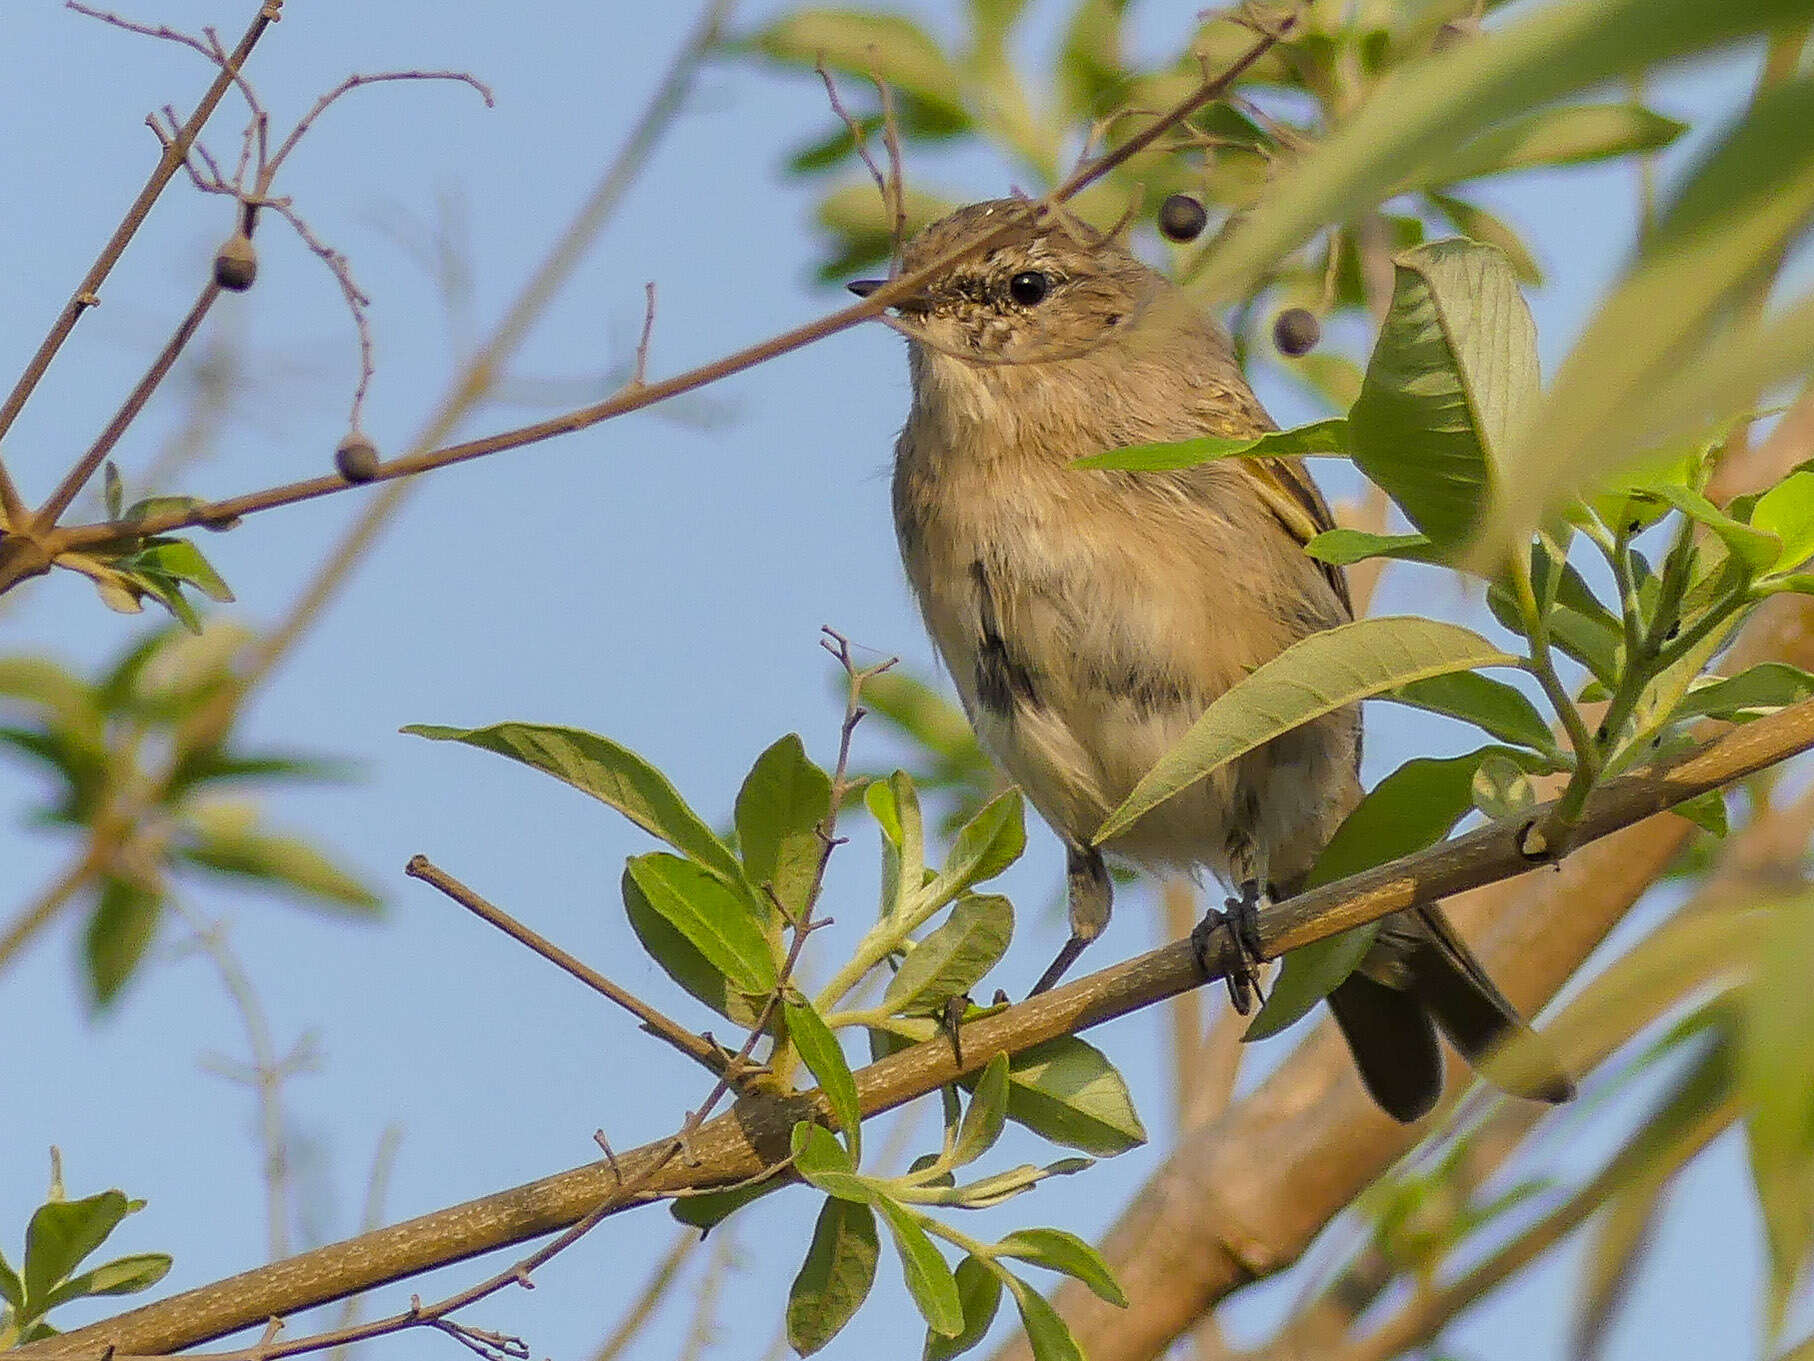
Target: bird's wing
1296,503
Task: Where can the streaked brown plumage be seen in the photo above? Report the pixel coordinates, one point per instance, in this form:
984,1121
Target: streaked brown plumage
1089,617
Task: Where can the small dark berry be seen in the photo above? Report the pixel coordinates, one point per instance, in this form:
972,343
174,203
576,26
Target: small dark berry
357,458
1182,218
1295,331
236,263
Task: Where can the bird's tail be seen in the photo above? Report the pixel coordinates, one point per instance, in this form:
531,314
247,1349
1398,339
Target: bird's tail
1419,977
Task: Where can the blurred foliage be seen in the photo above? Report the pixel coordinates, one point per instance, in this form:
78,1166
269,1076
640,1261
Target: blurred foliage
136,763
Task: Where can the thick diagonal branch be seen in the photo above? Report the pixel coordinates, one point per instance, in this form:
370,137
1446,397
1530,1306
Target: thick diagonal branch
753,1136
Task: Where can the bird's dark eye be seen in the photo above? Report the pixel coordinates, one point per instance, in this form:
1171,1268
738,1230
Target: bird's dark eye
1029,288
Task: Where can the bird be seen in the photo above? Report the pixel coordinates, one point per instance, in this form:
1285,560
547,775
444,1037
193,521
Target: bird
1089,616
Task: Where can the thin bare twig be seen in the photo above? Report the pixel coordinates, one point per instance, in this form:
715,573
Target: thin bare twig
696,1047
748,1142
87,293
632,400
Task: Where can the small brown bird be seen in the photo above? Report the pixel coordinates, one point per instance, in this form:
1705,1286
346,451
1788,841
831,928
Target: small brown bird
1089,617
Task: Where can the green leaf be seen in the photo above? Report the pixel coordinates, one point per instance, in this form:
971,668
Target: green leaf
987,1113
1047,1334
124,922
609,772
1475,222
894,48
279,862
1787,511
1572,134
1491,705
1776,1075
818,1154
1549,52
12,1289
1415,806
1502,790
61,1233
182,561
987,845
1066,1252
835,1278
717,921
1327,437
950,960
1448,386
113,490
1344,547
1669,338
1066,1091
895,805
1756,692
710,1209
683,963
928,1275
1313,677
979,1296
1757,549
122,1276
824,1056
783,800
1706,811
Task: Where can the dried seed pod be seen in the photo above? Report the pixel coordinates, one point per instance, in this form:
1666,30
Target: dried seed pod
236,263
1295,331
1182,218
357,458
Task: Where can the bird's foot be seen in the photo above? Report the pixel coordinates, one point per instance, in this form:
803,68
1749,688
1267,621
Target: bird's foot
1227,941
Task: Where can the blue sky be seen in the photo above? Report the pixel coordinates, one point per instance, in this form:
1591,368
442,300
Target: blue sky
661,579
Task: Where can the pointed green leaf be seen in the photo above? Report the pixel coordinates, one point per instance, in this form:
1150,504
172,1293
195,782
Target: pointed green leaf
1066,1091
1757,548
1572,134
1415,806
783,800
1491,705
122,1276
1323,438
987,845
1048,1335
1344,547
285,863
124,923
183,561
1316,676
12,1289
61,1233
928,1275
1755,692
1787,511
987,1113
979,1296
1066,1252
707,1211
1449,385
609,772
1476,223
950,960
683,962
817,1153
718,922
824,1057
835,1278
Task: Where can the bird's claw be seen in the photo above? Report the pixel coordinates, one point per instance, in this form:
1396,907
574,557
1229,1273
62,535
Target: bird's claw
1236,955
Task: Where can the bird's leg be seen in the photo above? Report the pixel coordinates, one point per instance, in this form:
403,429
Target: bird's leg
1090,895
1239,964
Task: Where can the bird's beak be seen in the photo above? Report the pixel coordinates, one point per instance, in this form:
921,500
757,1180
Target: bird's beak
908,306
